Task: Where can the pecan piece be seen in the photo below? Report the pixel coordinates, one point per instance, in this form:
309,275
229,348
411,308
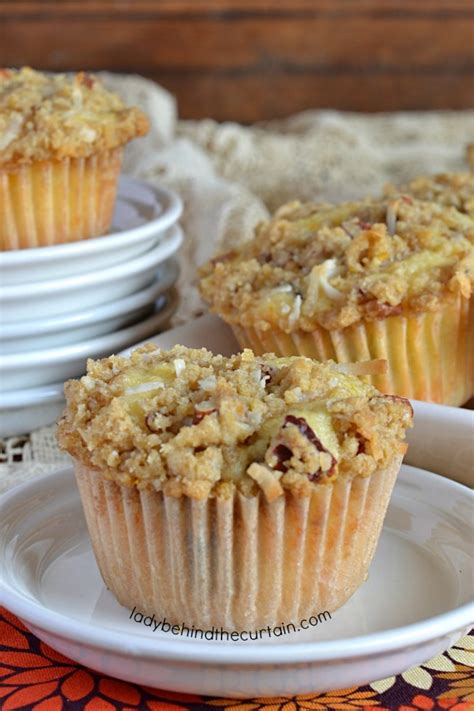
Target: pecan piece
283,453
310,435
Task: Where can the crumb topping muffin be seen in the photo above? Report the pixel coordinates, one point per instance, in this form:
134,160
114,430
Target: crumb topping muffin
56,116
335,266
187,422
450,189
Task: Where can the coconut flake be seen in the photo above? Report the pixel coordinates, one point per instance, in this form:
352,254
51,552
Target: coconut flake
205,406
88,134
330,291
144,387
179,366
320,274
88,382
296,310
208,383
391,217
12,131
267,479
151,356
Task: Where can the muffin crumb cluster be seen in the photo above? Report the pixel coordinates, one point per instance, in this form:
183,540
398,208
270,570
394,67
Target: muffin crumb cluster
450,189
335,266
56,116
187,422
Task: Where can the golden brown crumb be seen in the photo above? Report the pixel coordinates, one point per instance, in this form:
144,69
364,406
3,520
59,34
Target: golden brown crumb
55,116
335,266
190,423
449,189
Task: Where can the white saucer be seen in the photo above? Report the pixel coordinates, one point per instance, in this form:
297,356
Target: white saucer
33,368
415,603
64,296
142,214
22,336
25,410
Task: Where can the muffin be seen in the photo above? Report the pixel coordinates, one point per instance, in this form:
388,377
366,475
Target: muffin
61,141
450,189
231,492
388,279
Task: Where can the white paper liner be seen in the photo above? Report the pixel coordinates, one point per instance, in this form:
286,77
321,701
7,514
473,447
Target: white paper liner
430,355
51,202
239,564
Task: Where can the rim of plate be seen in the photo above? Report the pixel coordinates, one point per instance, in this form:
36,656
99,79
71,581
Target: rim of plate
83,349
167,274
220,653
32,396
171,209
159,253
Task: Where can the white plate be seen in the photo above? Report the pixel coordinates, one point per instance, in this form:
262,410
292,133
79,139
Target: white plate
27,370
435,425
142,214
25,410
415,603
443,441
53,331
74,293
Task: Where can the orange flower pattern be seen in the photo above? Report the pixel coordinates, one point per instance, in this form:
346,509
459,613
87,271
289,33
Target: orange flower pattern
33,677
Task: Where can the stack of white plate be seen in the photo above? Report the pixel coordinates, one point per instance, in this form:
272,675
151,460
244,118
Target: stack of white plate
62,304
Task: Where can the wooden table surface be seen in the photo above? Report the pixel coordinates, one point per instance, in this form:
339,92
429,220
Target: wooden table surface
251,60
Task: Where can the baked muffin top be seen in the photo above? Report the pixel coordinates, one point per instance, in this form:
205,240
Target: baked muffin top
336,265
450,189
190,423
55,116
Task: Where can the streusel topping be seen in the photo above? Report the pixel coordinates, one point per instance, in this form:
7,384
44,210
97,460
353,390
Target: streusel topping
450,189
190,423
54,116
334,266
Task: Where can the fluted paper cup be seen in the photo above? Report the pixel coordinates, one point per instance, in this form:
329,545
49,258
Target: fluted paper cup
430,355
52,202
238,563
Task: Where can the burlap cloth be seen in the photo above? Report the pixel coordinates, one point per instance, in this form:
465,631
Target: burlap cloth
229,177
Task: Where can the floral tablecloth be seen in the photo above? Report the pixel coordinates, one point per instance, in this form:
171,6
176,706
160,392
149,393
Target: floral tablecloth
34,677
